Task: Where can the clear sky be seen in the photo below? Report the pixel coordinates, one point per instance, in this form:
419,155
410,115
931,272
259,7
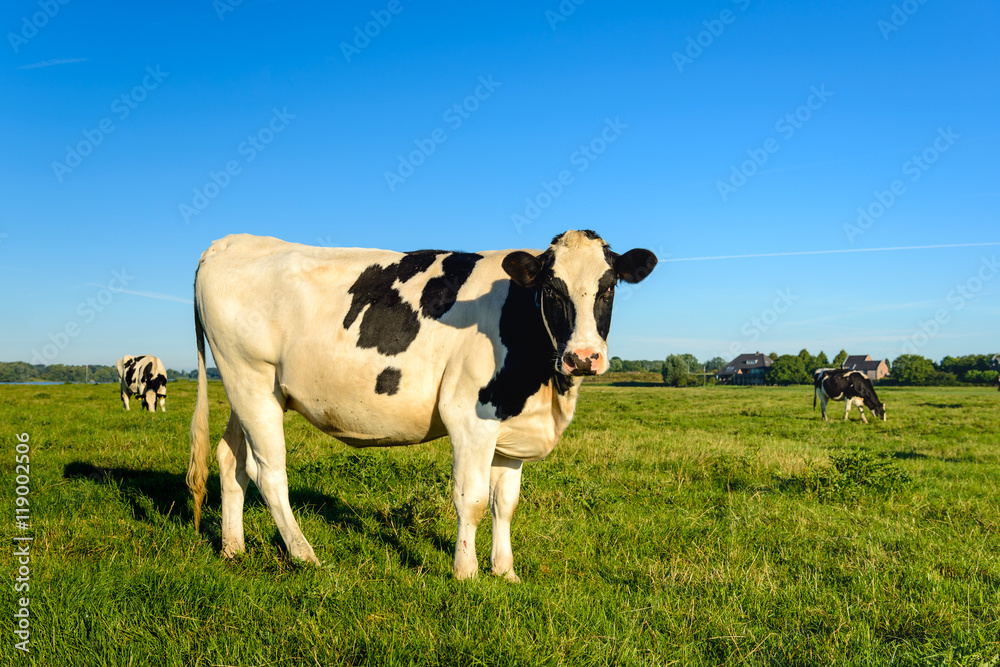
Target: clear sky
136,134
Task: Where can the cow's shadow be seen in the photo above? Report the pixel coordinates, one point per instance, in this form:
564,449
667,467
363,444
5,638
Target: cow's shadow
155,495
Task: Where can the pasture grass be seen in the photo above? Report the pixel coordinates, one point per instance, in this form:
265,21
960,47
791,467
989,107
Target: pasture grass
701,526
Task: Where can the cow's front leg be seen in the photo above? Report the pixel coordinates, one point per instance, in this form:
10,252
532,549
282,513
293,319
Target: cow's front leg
505,491
861,409
125,399
163,403
473,450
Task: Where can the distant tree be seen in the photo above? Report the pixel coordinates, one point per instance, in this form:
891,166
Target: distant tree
691,361
675,370
715,363
819,361
772,356
616,365
16,371
912,369
788,369
839,360
980,377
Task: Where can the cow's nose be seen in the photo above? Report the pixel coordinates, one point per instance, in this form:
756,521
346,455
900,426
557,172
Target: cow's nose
582,362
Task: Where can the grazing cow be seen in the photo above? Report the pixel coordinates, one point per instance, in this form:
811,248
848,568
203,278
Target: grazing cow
381,348
143,376
852,387
995,365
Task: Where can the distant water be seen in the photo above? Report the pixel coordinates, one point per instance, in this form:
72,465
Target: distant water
33,383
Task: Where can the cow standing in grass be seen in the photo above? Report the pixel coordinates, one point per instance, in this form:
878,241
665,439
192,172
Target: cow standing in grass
995,365
852,387
143,376
381,348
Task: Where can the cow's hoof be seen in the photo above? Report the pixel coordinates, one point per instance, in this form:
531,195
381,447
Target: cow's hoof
509,576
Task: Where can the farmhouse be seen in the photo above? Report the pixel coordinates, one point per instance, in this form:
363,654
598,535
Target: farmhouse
745,369
875,369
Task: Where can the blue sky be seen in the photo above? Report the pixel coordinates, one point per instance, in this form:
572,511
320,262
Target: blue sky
135,135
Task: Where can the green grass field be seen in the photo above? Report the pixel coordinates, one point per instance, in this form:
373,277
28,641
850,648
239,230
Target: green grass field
698,526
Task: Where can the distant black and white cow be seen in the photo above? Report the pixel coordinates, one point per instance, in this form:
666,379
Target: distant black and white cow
995,365
381,348
852,387
143,376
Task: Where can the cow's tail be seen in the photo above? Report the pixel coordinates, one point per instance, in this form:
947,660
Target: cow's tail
197,472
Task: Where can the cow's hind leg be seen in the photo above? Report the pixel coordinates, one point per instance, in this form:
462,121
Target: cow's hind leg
125,398
822,405
232,456
505,490
260,413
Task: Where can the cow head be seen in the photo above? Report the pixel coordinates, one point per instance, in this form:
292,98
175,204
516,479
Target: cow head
574,284
878,409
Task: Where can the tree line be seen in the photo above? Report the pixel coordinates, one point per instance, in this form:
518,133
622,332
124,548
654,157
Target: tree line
20,371
681,370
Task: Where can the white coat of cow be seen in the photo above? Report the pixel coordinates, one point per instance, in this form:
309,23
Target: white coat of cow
385,348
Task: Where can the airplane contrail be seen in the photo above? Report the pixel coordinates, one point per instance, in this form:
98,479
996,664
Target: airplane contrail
830,252
148,295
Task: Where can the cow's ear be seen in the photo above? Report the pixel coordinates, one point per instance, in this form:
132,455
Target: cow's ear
635,265
523,268
121,362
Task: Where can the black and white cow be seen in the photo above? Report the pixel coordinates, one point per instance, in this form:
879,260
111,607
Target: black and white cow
143,376
995,366
381,348
852,387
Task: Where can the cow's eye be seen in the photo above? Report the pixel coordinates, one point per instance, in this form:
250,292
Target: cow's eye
550,293
608,293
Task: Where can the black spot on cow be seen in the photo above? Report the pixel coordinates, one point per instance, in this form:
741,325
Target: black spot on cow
440,293
529,362
604,302
387,381
156,382
389,324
